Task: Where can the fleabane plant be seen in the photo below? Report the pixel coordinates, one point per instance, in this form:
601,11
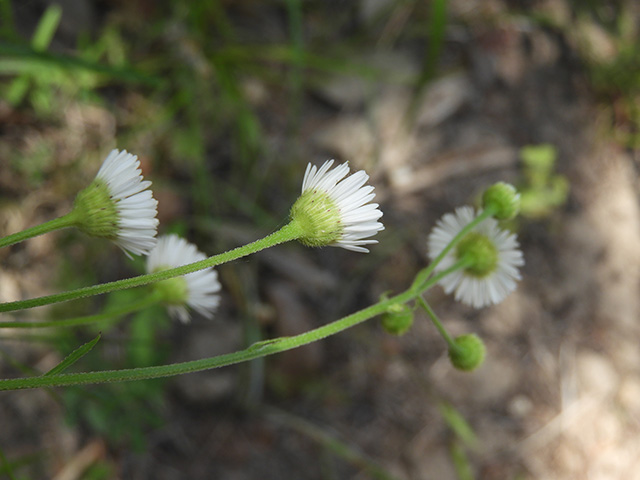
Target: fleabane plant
471,256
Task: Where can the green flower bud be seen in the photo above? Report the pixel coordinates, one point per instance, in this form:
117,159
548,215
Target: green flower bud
398,318
503,199
481,253
468,354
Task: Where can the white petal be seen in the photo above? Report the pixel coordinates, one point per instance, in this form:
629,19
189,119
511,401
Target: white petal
136,207
351,195
202,286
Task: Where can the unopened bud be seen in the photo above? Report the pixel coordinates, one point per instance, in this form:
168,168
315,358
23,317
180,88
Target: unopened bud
503,199
398,318
469,352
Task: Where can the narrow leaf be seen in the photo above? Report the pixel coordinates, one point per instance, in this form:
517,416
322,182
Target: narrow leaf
73,357
458,424
46,28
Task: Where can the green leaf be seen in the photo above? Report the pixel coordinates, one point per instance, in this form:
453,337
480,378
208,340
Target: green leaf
458,424
46,28
461,462
73,357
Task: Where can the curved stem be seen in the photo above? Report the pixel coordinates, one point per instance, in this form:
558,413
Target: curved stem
257,350
147,301
434,318
291,231
65,221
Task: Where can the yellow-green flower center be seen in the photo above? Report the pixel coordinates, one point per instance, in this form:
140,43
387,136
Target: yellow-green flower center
480,252
96,211
174,291
318,218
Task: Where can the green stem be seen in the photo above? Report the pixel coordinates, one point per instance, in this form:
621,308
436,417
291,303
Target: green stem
291,231
65,221
424,274
434,318
257,350
149,300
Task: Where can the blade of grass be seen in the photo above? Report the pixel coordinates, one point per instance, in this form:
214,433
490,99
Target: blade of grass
40,41
23,59
46,28
458,424
5,466
7,25
460,462
329,441
294,10
73,357
435,39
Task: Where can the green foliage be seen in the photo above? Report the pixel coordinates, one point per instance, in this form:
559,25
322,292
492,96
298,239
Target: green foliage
101,470
464,438
331,443
123,413
40,42
615,75
73,357
49,80
5,466
458,425
542,190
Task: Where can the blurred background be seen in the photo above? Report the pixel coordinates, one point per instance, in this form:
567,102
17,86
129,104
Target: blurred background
225,102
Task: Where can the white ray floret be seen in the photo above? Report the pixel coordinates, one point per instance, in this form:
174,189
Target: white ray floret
358,218
136,208
202,287
477,291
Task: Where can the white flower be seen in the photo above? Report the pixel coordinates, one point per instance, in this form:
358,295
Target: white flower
135,206
336,210
198,290
474,289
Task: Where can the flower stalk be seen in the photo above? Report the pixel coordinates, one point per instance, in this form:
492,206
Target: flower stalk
66,221
436,322
257,350
289,232
111,315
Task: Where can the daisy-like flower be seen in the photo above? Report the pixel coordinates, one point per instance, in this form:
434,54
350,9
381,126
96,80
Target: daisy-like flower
118,206
197,290
495,252
334,210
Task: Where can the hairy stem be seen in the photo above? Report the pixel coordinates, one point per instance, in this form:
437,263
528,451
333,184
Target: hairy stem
65,221
257,350
289,232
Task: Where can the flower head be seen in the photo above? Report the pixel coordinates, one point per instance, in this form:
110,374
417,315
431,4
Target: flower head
467,353
334,210
118,206
494,254
198,290
503,199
